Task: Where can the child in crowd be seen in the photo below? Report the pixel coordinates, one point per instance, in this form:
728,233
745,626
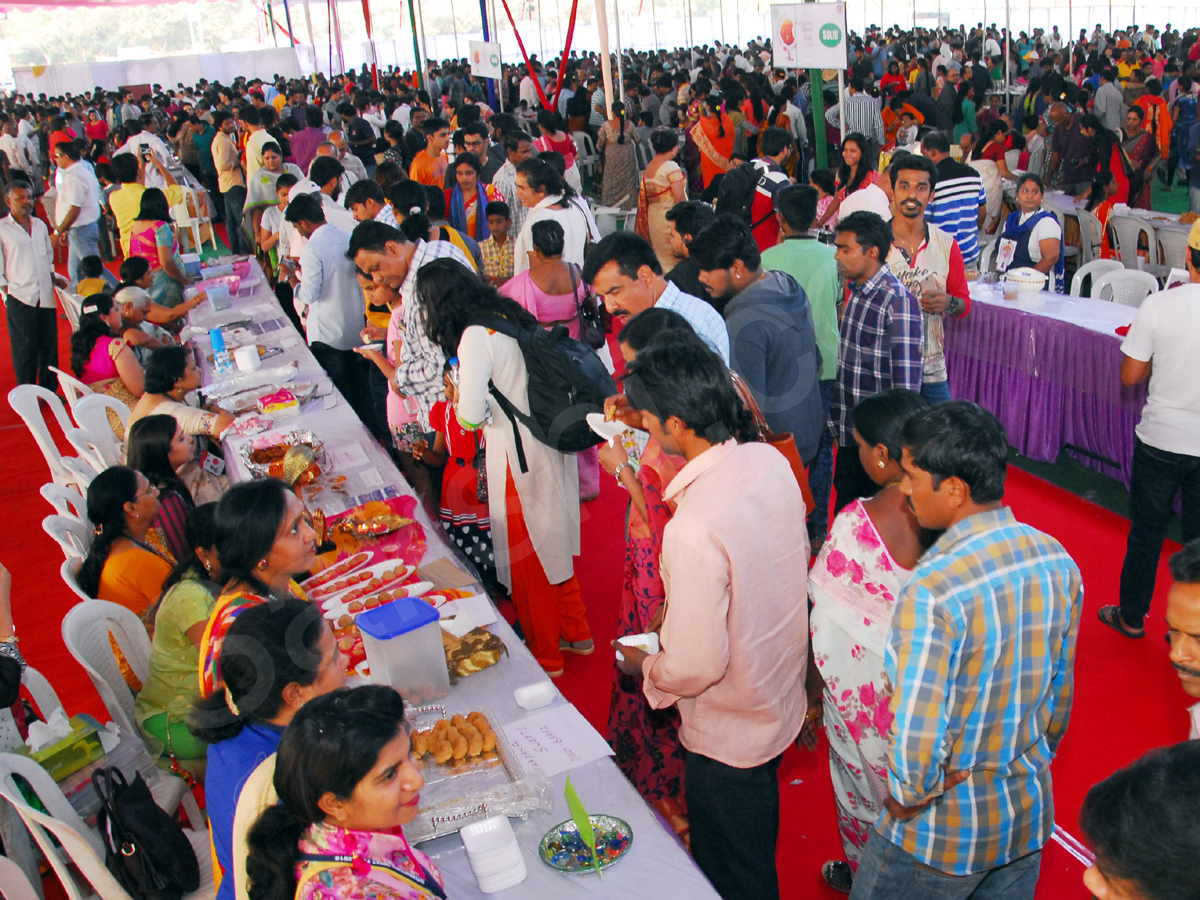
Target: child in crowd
464,513
822,180
906,134
497,250
271,223
92,282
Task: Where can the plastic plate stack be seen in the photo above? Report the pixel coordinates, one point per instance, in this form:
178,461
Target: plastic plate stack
493,853
1028,280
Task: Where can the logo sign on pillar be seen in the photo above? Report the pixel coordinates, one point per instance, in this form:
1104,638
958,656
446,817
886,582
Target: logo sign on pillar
484,57
809,35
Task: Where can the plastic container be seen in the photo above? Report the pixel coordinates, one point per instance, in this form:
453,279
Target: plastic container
403,642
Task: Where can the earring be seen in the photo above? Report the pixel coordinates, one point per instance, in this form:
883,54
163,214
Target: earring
882,464
262,563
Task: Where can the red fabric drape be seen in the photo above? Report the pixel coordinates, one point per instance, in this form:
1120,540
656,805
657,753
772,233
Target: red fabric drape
562,69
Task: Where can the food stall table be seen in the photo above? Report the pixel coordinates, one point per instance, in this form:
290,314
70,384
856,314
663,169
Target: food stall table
656,862
1048,366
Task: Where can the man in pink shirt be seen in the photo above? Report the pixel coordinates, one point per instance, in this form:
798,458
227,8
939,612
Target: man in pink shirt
735,632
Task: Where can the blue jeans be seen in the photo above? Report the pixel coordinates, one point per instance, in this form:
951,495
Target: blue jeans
235,200
820,474
886,872
82,240
936,392
1158,475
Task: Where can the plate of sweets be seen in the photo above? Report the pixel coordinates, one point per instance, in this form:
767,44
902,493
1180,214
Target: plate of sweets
374,577
330,574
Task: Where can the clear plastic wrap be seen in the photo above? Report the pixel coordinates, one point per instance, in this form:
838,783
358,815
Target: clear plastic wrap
456,795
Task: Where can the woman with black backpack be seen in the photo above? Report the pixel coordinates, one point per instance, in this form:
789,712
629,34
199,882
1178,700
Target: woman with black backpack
533,495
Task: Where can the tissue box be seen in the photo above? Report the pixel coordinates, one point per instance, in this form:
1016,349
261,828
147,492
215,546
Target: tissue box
280,405
78,749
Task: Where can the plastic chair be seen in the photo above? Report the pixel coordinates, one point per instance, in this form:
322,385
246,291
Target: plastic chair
71,534
1095,269
76,843
186,219
74,389
987,254
1175,278
98,451
67,500
72,305
1125,287
1127,231
82,473
1089,227
585,152
85,631
92,415
70,576
45,699
26,401
1172,249
1069,251
16,885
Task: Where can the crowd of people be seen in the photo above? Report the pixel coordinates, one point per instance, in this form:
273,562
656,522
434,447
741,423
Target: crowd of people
417,236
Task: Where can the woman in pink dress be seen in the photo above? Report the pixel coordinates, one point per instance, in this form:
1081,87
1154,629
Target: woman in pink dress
347,782
872,546
552,290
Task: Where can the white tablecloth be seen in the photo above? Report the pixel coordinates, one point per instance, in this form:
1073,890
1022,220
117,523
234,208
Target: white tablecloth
1099,316
656,864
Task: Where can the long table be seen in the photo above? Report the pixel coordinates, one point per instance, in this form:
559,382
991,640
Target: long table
1048,366
656,863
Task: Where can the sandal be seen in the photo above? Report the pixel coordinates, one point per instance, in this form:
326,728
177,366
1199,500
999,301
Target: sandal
838,875
1111,616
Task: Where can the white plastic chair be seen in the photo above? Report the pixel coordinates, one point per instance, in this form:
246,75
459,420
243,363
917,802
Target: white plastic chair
71,534
72,305
1069,251
585,152
1095,268
26,401
1091,236
987,254
70,576
189,214
44,697
67,500
72,387
1172,249
92,415
98,451
77,843
1128,288
85,631
1127,230
16,885
1175,278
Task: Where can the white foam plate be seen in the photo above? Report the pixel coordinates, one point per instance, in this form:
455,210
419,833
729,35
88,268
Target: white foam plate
365,558
374,571
536,695
606,430
417,589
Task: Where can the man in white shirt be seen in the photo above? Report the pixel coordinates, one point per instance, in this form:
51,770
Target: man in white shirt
22,160
77,207
1162,345
355,170
27,280
327,174
528,89
328,287
146,139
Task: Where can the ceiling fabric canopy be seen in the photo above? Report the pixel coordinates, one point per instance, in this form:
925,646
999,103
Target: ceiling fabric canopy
22,5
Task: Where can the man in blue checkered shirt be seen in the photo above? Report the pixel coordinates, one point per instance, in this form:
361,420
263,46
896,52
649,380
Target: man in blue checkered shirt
881,343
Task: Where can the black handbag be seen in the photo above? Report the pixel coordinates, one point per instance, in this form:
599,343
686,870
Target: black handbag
591,326
145,849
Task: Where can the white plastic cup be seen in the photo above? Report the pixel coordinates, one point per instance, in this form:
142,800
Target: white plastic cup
247,358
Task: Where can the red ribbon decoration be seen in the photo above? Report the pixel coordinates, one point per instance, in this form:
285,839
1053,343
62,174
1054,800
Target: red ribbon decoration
562,69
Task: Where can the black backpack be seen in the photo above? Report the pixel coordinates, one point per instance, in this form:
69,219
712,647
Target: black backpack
736,195
144,848
567,380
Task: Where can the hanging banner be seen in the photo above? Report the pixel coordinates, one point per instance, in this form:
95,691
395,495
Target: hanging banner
809,35
484,57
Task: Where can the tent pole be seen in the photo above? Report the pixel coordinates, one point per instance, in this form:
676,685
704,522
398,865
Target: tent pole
483,19
424,39
1007,58
617,26
312,41
454,19
418,72
605,57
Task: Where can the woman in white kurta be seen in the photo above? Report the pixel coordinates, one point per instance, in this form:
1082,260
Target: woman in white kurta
535,513
546,195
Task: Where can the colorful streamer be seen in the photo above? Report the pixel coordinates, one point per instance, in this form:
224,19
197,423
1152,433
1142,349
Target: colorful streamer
562,69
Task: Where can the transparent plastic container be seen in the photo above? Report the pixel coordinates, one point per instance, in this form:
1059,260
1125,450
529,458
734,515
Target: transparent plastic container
403,642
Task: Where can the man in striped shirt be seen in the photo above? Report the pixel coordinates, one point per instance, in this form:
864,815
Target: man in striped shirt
862,114
981,660
957,206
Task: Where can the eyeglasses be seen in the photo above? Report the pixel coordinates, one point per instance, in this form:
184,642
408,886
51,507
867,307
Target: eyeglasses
151,491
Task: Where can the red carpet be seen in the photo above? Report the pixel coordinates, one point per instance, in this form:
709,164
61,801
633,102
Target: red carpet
1127,699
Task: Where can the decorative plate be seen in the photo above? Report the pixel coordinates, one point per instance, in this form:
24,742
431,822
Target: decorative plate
563,849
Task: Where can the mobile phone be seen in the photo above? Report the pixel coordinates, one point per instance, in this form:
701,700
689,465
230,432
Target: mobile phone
146,154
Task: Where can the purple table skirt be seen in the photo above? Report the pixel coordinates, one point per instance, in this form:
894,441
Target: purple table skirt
1050,383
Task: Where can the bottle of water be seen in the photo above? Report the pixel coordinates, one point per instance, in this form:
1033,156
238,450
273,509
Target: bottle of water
221,358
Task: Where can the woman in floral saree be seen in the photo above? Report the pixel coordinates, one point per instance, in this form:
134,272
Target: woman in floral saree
873,544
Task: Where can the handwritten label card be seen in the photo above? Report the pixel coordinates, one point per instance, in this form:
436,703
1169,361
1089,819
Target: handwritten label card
350,456
556,740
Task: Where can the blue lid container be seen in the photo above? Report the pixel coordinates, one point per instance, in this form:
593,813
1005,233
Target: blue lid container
403,642
396,618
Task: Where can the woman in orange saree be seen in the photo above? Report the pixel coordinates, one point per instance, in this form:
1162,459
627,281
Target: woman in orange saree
713,135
